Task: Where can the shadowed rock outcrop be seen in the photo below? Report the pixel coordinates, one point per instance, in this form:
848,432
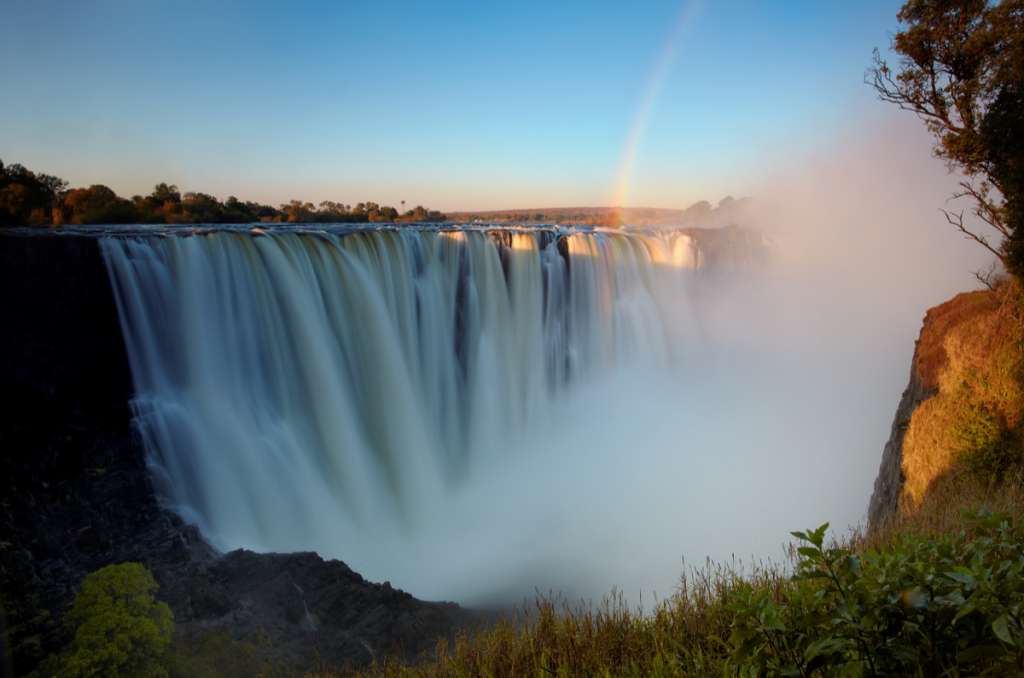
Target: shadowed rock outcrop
889,481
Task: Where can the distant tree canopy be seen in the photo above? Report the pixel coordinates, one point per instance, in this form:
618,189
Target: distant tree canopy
27,198
962,72
31,199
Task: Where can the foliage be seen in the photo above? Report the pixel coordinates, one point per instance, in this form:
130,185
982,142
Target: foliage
682,636
986,446
30,199
941,606
962,72
26,197
119,628
95,205
215,654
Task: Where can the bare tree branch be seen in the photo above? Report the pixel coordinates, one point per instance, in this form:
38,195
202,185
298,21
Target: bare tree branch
957,220
988,277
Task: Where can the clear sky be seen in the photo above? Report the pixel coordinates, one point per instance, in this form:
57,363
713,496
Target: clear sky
453,105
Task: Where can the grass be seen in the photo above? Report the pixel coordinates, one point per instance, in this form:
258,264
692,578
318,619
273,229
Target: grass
971,353
909,602
687,634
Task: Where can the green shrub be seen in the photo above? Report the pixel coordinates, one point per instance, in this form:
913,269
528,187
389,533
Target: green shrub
988,449
951,605
119,628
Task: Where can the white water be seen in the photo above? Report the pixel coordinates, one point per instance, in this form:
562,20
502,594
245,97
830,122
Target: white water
401,399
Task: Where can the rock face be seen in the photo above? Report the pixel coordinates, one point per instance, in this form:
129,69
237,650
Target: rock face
75,495
889,482
929,360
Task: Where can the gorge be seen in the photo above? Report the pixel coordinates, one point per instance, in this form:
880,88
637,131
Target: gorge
465,339
356,383
448,409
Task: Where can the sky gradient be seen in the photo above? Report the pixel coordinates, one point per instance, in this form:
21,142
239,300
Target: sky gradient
454,106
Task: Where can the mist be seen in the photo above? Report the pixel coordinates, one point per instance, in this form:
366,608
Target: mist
290,400
774,420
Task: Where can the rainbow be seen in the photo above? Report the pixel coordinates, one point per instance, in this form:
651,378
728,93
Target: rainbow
641,118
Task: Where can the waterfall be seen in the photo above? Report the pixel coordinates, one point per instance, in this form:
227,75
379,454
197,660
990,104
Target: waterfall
328,390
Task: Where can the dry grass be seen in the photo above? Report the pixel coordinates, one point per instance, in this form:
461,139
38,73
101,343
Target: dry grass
977,374
683,636
687,635
930,353
941,510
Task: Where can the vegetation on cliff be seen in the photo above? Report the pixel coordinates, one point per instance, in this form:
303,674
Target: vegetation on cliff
29,198
966,438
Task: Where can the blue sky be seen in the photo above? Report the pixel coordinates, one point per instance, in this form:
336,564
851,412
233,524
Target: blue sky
453,105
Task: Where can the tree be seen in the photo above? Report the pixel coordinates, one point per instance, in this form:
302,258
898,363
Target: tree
97,204
51,184
162,193
297,211
119,629
202,208
35,199
27,198
961,72
1003,132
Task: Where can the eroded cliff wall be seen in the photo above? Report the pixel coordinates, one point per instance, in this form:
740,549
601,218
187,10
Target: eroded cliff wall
930,359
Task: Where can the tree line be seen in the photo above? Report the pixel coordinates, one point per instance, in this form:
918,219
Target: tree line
30,198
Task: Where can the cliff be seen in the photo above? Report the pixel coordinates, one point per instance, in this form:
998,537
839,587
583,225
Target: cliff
889,481
75,494
960,406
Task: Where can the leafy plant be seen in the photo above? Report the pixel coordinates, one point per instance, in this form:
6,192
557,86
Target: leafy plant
988,448
940,606
119,628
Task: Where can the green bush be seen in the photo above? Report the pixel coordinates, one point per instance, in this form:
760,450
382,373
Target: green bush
949,605
988,449
119,628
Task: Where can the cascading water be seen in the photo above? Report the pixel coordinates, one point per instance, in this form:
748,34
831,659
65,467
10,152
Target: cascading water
346,391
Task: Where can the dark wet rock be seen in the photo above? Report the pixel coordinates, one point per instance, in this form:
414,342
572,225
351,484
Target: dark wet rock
303,602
